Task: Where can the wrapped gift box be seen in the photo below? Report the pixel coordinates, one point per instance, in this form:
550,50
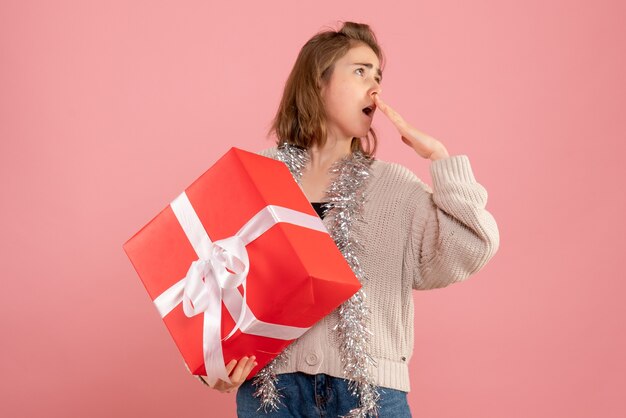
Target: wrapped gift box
192,256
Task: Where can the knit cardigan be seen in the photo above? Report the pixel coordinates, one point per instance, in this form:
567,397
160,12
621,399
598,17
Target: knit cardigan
412,237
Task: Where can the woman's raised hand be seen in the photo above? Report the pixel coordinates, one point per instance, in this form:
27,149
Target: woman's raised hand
425,145
237,371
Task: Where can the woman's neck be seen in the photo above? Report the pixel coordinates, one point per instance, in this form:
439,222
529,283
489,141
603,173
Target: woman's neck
322,158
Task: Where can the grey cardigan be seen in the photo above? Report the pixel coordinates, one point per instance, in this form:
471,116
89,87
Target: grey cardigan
414,237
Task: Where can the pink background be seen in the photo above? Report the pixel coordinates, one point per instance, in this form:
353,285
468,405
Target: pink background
108,109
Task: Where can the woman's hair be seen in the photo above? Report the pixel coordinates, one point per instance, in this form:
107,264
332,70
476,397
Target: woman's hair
301,119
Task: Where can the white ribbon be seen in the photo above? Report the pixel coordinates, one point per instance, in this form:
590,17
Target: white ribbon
213,278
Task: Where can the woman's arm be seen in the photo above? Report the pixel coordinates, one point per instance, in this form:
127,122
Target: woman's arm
452,234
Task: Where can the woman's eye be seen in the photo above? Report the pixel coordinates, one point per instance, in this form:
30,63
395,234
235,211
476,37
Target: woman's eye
360,69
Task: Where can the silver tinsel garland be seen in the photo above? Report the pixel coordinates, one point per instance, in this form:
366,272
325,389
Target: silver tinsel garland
345,201
265,383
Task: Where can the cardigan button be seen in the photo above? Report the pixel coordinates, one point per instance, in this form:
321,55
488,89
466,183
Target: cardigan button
311,359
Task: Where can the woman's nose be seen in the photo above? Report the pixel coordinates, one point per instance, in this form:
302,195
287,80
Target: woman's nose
375,89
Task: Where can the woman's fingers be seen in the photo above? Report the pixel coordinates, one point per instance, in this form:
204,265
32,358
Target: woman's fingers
405,130
251,364
241,372
236,374
423,144
230,366
389,112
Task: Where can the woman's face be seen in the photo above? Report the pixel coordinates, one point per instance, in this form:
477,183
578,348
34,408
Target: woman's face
356,76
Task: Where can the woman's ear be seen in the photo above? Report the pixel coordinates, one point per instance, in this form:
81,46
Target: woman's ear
324,81
322,88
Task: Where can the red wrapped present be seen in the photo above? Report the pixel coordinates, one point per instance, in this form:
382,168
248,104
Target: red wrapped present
239,264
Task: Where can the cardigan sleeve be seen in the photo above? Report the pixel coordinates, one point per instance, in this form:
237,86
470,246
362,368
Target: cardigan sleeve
452,234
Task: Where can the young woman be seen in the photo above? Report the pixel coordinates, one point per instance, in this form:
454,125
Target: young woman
396,233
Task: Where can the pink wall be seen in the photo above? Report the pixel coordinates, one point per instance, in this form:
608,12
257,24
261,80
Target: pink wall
108,109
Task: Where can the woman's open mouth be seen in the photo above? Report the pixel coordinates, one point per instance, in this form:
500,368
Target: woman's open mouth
369,110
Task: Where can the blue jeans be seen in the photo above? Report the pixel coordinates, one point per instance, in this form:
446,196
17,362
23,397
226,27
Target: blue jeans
319,395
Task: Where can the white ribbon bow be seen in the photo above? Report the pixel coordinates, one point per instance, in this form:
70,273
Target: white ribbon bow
222,267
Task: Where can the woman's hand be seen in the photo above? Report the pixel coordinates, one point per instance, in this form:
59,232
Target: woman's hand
236,374
426,146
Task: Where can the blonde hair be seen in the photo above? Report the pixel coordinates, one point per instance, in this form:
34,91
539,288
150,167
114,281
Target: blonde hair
301,119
